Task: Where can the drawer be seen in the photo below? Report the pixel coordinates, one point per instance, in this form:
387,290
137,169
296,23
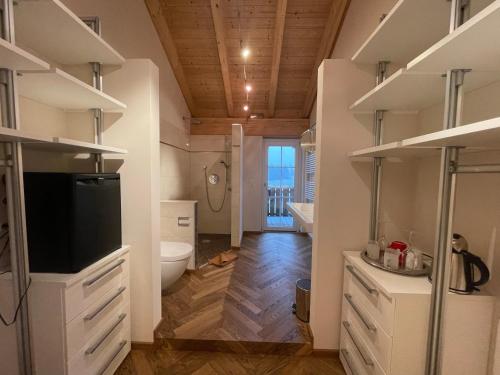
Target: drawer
377,341
88,291
379,306
96,318
355,358
101,350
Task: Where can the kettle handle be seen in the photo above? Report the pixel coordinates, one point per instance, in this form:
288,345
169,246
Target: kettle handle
471,261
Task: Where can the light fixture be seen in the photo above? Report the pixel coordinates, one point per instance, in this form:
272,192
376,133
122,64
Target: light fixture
245,53
246,108
248,88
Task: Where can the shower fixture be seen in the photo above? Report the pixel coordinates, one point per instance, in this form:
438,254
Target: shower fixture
213,179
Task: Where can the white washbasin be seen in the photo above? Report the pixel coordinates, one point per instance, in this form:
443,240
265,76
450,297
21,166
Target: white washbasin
303,213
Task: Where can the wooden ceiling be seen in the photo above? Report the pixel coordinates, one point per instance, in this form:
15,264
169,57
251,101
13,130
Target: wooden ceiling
288,39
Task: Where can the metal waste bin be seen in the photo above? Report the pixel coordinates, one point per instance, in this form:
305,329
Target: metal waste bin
302,299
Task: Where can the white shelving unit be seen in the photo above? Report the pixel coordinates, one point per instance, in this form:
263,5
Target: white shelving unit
444,55
44,33
15,58
418,24
58,89
466,47
38,27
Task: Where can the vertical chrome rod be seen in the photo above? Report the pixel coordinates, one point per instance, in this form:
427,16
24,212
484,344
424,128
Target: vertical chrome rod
377,162
14,186
95,24
376,178
447,183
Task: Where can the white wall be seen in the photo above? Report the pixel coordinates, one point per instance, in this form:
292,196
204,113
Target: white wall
253,184
342,194
238,146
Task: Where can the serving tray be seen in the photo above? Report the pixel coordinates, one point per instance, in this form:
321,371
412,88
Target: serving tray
426,271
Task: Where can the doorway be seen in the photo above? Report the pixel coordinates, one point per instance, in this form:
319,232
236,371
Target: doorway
281,183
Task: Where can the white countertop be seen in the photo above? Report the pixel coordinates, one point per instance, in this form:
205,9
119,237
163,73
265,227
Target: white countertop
390,283
68,279
303,213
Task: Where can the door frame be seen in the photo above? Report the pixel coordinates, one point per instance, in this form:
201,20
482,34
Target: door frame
298,178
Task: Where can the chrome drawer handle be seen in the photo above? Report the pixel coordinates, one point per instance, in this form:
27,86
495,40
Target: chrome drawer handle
347,358
370,289
366,322
121,345
93,348
99,276
97,311
367,360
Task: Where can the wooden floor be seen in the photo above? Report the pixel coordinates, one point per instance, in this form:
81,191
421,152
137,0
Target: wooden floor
169,362
249,300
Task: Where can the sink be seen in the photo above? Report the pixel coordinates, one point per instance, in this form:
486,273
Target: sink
303,213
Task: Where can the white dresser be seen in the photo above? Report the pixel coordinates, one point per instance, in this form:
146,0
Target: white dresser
80,322
385,319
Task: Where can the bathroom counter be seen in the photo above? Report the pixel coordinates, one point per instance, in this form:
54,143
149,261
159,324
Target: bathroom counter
303,213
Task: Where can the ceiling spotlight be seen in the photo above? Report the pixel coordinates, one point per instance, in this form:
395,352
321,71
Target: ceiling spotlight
248,88
246,108
245,53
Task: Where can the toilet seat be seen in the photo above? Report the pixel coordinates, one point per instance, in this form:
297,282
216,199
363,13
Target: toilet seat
175,251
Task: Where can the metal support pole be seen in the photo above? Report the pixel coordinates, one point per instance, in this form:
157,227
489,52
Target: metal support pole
377,162
95,24
442,256
376,178
381,72
15,200
447,183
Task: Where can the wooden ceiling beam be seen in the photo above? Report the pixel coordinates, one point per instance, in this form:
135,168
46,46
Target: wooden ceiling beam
279,30
330,36
268,127
218,19
160,23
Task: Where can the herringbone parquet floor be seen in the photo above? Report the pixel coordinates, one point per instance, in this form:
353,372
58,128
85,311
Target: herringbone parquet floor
166,362
248,300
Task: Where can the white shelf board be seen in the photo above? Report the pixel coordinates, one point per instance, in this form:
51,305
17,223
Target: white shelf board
479,136
59,89
51,29
377,151
471,46
55,144
14,135
413,91
483,134
410,28
15,58
73,146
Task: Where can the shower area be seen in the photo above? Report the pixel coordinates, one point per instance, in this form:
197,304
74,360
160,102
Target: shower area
210,176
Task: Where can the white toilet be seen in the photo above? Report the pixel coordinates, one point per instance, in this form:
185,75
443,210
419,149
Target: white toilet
174,260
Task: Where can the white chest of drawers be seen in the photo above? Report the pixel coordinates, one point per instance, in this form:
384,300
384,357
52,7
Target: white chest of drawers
385,319
81,322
